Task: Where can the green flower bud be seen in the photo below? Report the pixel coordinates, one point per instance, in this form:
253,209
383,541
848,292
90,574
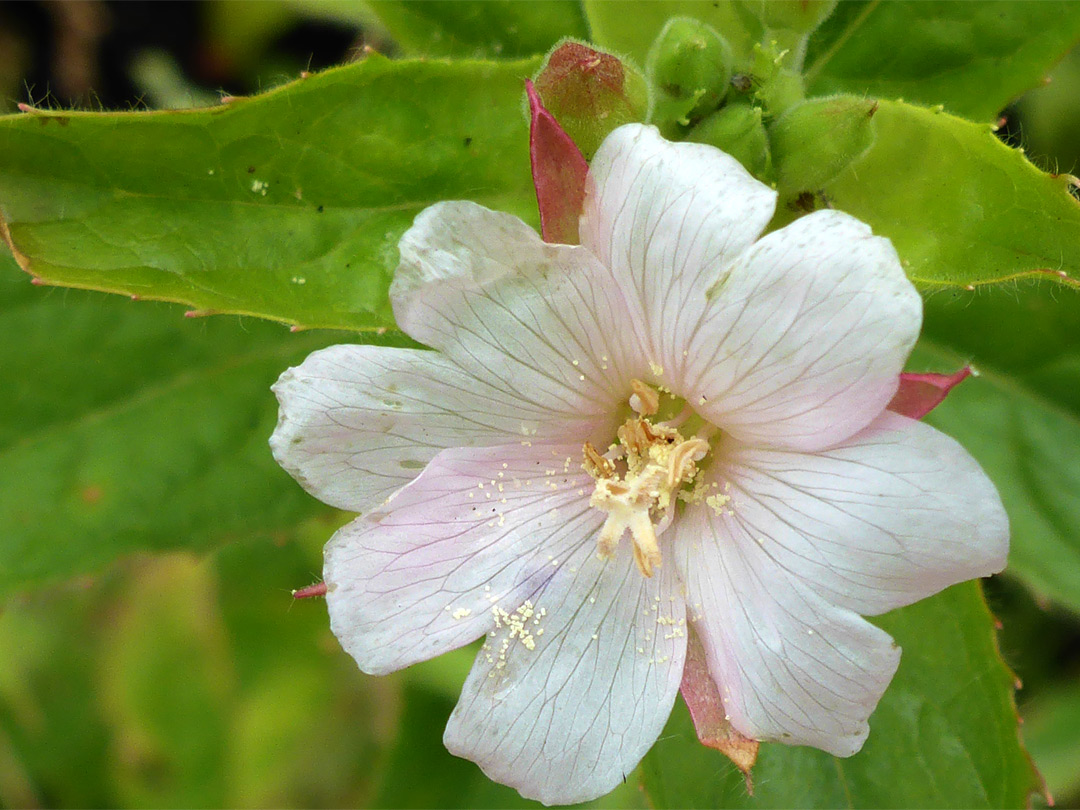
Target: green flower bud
799,16
738,130
817,139
590,93
776,87
689,66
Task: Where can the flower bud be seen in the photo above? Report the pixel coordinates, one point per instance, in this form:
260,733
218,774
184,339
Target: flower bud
590,93
737,129
817,139
689,66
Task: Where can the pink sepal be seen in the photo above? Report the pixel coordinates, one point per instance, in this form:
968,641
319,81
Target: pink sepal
558,170
921,393
707,711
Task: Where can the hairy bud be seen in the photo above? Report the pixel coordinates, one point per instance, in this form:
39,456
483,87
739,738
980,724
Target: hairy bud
738,130
689,66
817,139
590,93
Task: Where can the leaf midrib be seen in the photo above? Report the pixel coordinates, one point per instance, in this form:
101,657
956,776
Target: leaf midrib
811,73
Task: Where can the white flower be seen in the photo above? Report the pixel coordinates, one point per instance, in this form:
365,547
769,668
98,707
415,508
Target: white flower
673,424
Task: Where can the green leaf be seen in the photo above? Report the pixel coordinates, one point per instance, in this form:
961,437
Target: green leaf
1020,417
306,725
176,682
629,27
944,734
961,207
974,58
1052,733
466,28
47,682
288,205
174,738
125,427
448,781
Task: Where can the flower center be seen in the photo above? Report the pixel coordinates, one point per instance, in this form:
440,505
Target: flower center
638,479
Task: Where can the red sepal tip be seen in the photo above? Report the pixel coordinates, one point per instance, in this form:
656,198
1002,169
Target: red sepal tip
318,589
919,394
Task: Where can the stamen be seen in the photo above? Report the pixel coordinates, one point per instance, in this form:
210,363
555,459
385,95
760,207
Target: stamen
645,400
646,549
637,479
682,460
608,540
637,436
595,464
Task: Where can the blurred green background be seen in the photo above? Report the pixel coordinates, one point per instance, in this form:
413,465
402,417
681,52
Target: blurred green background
192,679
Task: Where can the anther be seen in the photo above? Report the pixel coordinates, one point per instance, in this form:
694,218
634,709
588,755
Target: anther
645,400
595,464
683,458
646,549
636,484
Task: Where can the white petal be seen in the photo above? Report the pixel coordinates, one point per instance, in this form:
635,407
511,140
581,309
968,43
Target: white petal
546,321
478,527
805,339
459,241
358,422
790,666
893,515
567,720
666,217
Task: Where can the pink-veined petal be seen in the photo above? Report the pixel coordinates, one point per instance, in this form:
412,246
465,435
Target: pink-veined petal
806,335
565,717
790,666
358,422
919,394
558,170
666,217
546,321
478,528
892,515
